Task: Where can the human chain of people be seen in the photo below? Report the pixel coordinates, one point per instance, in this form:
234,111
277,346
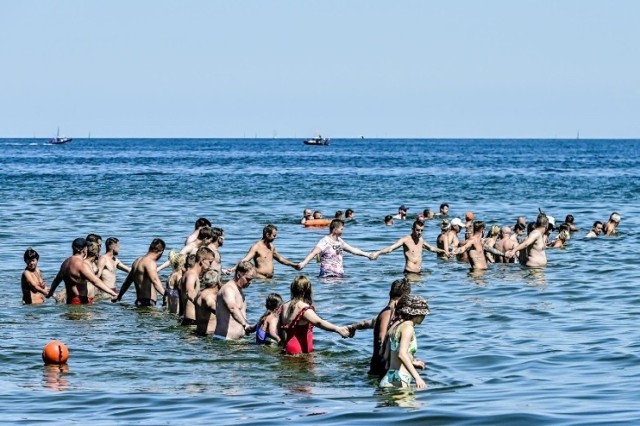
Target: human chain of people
195,290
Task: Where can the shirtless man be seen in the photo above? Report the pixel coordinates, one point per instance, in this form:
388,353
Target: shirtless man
610,226
476,248
190,285
217,241
34,289
596,230
76,273
205,304
504,244
444,210
144,274
231,308
108,263
534,255
264,252
412,245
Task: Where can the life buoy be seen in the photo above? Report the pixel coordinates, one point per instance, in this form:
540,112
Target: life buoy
317,222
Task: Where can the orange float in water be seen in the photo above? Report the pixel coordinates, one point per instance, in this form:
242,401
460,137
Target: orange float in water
55,352
317,222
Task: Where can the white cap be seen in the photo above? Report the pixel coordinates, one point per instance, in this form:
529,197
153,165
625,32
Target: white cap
458,222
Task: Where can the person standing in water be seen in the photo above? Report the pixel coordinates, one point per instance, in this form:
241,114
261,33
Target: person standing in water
534,255
330,249
34,289
263,252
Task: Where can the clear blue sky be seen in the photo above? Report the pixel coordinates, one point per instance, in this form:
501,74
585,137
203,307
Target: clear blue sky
348,68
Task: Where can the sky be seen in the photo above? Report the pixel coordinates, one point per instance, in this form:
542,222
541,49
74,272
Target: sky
343,68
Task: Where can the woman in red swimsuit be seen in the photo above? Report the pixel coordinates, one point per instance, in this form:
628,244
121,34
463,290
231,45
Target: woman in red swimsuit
298,317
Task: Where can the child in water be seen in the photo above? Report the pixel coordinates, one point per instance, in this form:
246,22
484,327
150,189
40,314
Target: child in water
399,352
267,326
172,290
34,289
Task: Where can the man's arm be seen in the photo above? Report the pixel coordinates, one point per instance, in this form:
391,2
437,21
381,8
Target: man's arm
152,273
56,281
356,251
388,249
526,243
283,260
433,249
190,286
122,266
91,277
251,253
102,263
125,285
313,253
464,247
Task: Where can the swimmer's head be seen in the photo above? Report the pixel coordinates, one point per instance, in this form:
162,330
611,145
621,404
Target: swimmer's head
78,245
615,217
445,225
273,302
202,221
30,254
468,216
399,288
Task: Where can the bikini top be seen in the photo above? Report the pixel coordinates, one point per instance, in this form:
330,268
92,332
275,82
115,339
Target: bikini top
394,340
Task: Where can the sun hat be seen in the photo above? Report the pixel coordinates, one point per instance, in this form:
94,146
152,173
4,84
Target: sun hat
412,304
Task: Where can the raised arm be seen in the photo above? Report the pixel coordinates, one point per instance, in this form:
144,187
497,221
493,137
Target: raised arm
122,266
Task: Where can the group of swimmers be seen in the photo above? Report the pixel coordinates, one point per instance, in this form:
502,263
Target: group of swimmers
195,290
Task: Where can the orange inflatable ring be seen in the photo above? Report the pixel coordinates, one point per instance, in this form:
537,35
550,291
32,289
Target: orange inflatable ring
317,222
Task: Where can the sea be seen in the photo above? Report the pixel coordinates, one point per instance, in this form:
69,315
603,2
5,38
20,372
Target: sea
558,345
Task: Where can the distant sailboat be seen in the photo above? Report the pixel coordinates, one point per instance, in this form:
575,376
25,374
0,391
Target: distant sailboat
59,140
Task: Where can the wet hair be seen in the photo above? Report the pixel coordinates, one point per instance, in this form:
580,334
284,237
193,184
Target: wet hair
93,238
426,213
334,224
204,253
348,212
300,291
93,249
205,233
338,214
244,267
190,261
388,218
111,241
443,205
268,230
596,223
417,222
530,227
569,219
478,226
563,227
202,221
399,288
518,227
157,245
30,254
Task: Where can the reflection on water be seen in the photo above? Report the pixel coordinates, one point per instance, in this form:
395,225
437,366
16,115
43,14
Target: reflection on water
54,377
399,397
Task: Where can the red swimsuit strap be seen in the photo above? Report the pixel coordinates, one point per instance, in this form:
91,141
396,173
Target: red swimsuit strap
298,317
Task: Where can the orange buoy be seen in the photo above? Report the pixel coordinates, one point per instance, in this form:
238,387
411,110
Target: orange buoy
55,352
317,222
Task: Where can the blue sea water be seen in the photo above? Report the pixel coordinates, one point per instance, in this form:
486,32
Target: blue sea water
513,346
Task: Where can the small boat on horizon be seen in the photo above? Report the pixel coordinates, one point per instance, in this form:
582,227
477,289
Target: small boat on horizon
319,140
59,140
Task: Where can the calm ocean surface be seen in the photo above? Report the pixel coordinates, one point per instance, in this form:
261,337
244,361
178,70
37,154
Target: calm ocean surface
514,346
